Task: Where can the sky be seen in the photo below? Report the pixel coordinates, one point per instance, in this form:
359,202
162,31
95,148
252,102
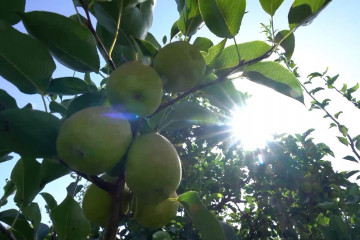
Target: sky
332,40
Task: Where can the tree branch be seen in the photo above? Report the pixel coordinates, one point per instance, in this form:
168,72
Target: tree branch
102,48
6,232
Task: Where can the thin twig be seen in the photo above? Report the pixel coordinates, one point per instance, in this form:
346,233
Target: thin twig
43,99
6,232
97,38
117,29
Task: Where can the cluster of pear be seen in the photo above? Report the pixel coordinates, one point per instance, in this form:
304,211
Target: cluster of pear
94,140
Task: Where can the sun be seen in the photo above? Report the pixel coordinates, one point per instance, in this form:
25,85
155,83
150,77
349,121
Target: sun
251,124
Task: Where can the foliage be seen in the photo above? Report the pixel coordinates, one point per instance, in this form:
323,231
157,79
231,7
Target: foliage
287,190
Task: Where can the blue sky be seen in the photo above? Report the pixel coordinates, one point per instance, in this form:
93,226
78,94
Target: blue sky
332,40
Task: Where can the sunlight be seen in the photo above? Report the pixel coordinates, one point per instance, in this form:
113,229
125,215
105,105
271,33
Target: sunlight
253,125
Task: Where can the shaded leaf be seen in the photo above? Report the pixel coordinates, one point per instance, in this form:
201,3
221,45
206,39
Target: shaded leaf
73,188
22,229
350,158
50,170
42,231
249,50
343,130
71,43
6,101
303,12
50,200
204,221
275,76
17,63
67,86
9,10
69,220
351,173
151,39
328,205
338,225
28,132
288,44
56,107
223,17
32,213
174,30
161,235
229,231
84,101
190,18
26,177
270,6
9,189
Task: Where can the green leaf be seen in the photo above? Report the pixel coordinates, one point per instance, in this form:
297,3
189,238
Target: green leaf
357,144
353,89
6,101
161,235
174,30
213,52
350,158
56,107
151,39
17,62
190,18
28,132
275,76
33,214
89,82
270,6
84,101
337,114
351,173
9,10
9,189
343,130
73,188
50,170
22,229
343,141
337,224
302,12
69,220
203,44
71,43
50,200
204,221
42,231
67,86
328,205
26,177
249,50
288,44
223,17
185,114
223,95
229,231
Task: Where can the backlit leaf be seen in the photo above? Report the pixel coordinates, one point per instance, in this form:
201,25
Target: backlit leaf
223,17
71,43
67,86
50,200
270,6
6,101
50,170
190,18
275,76
288,44
33,214
302,12
204,221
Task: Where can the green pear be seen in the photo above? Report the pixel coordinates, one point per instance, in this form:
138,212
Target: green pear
152,168
180,65
93,140
135,88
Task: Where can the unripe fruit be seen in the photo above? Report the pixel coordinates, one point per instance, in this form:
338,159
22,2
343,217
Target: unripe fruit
180,65
97,205
153,168
156,215
135,88
306,187
93,140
